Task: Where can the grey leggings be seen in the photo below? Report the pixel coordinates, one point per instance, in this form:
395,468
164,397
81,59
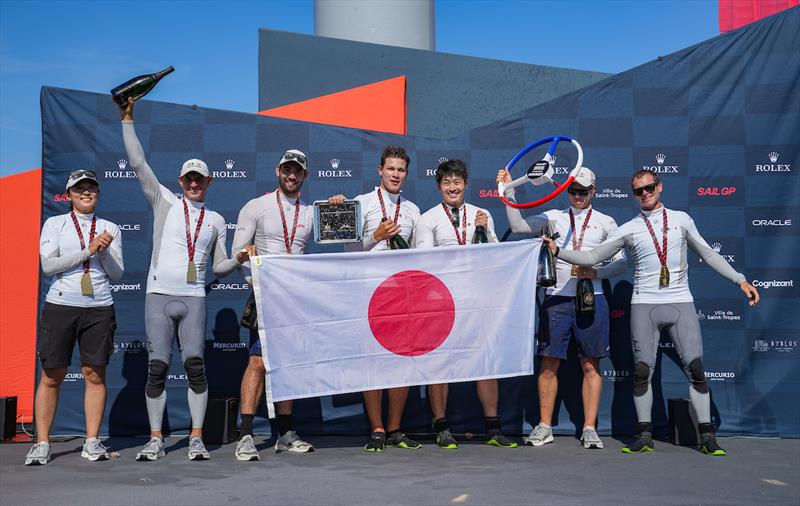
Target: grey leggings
166,314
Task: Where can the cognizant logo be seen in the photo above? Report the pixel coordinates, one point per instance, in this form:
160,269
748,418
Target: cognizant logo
773,283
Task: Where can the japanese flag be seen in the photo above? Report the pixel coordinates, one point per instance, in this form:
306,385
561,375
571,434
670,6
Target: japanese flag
347,322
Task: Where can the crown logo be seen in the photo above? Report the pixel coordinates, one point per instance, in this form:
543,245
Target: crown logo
773,157
442,159
660,158
335,163
229,164
717,246
122,163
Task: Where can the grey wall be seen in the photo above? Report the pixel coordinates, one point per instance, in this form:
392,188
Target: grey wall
446,94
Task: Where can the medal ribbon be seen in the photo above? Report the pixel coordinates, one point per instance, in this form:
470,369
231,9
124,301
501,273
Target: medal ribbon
287,241
576,244
383,208
661,252
190,245
461,240
80,235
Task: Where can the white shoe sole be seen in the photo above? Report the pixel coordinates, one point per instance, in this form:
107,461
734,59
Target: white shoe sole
531,442
37,462
294,449
248,458
149,457
93,458
200,456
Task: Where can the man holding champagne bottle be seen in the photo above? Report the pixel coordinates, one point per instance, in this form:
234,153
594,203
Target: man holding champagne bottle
388,223
560,314
656,240
186,237
455,222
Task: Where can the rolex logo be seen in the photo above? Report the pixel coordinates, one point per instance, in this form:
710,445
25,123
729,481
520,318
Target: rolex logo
122,163
335,171
442,159
335,163
229,164
660,158
229,173
773,157
717,246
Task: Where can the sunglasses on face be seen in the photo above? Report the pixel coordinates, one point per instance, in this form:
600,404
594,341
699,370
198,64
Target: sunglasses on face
84,188
650,188
578,192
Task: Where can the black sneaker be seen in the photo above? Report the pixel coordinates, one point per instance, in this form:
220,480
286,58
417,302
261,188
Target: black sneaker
400,440
644,440
376,443
708,441
500,441
446,440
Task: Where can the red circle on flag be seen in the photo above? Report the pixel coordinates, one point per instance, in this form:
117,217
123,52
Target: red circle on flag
411,313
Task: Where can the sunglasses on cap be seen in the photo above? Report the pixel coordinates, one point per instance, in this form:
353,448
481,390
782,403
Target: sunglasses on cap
578,192
289,157
75,174
650,188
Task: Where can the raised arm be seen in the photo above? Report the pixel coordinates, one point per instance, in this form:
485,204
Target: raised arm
147,178
533,225
111,257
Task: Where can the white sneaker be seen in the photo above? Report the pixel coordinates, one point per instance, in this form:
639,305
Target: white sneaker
153,450
197,450
291,442
93,450
591,439
539,436
246,449
39,454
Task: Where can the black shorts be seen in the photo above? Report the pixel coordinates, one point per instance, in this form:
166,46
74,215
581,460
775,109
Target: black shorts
60,326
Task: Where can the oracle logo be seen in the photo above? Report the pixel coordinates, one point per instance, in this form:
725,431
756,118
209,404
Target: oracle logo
773,223
708,191
130,227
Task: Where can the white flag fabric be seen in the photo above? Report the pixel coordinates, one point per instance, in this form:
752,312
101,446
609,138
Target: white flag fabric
334,323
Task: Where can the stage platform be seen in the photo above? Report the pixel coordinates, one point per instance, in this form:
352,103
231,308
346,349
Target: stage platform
756,471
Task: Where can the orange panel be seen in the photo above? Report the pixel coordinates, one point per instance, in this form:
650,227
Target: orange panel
380,107
20,211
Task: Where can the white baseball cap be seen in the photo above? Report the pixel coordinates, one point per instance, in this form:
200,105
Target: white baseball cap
296,156
585,177
195,165
77,176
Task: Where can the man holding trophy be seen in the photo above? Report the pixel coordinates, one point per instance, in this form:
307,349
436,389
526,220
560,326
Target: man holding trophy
657,239
277,223
560,313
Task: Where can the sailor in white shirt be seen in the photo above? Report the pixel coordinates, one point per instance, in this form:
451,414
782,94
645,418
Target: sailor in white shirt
580,226
277,223
656,240
80,253
386,214
453,222
188,238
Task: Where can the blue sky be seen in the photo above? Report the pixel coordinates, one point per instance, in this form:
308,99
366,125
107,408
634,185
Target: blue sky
96,45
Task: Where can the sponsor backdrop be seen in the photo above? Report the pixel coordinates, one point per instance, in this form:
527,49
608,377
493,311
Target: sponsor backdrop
719,122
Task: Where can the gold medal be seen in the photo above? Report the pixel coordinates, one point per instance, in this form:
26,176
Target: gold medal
574,271
191,272
663,277
86,285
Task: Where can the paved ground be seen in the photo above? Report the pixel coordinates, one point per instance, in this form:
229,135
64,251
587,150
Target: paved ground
756,471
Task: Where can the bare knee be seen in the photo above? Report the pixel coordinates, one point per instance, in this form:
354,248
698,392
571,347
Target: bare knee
549,367
256,365
590,366
94,374
53,378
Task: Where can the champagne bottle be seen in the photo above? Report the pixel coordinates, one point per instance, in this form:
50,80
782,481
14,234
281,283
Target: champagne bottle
137,87
547,265
584,298
479,237
397,241
249,319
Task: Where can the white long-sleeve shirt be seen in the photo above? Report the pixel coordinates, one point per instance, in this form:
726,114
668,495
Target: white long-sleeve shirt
62,259
636,239
170,258
601,226
434,227
260,223
371,216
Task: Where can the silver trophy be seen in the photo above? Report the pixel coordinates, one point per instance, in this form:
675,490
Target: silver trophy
337,223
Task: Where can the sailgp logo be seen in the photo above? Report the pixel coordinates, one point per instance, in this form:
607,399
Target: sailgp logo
229,173
773,166
660,167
